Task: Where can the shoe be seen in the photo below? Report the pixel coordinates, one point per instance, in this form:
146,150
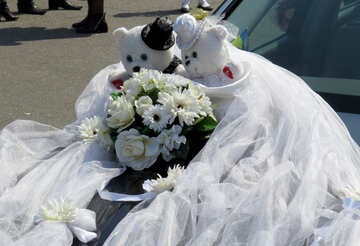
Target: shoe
56,4
207,8
185,8
28,7
94,24
5,12
204,5
81,23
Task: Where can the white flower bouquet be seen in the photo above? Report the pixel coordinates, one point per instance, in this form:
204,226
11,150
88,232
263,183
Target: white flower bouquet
155,118
158,117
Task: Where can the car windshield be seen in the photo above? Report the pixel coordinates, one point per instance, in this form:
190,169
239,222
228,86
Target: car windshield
318,40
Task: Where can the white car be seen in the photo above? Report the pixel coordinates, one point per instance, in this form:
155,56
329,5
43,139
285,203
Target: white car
319,40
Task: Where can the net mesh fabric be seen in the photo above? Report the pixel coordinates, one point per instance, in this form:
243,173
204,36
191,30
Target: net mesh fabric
40,163
271,174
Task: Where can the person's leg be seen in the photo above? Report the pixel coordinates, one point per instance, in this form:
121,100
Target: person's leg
185,8
203,4
95,22
5,12
83,22
29,7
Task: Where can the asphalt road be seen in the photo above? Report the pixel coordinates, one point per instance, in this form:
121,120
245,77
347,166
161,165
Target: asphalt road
45,65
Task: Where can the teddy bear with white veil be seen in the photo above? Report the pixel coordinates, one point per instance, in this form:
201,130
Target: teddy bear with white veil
280,169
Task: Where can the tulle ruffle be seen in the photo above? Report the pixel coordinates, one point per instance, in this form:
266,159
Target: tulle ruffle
277,164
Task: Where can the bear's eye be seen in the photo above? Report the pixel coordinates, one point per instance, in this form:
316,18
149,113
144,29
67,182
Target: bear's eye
129,58
194,54
186,57
143,57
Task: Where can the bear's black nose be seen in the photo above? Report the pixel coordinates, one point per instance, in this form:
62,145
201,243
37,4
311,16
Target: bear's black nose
136,69
187,63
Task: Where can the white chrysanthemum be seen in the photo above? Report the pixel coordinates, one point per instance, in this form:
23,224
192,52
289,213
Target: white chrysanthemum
89,128
181,103
163,184
170,140
176,81
204,101
105,138
150,79
156,117
131,88
135,150
58,210
142,104
120,113
94,128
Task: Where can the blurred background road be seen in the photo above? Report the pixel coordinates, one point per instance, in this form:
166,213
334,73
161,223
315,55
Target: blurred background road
45,65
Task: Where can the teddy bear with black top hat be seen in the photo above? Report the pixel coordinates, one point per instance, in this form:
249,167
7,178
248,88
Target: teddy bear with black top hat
150,46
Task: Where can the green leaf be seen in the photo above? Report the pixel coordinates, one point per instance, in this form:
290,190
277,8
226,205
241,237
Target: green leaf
198,120
115,95
183,152
147,131
113,134
206,124
153,94
187,129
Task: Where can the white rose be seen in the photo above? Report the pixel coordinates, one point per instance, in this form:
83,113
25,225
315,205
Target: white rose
121,114
142,104
135,150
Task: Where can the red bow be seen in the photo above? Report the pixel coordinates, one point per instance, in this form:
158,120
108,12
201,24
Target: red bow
227,72
118,83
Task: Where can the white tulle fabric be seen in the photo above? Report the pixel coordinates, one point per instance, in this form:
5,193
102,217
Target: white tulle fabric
40,163
273,173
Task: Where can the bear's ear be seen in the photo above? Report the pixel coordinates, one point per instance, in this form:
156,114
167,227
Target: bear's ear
120,33
220,32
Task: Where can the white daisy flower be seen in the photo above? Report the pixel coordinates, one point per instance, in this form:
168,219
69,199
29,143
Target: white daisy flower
142,104
204,101
181,103
58,210
89,128
120,113
163,184
156,117
150,79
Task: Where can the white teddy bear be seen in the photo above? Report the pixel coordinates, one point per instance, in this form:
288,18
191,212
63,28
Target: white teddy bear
205,51
150,46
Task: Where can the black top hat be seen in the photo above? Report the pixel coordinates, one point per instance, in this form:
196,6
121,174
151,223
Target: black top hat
159,34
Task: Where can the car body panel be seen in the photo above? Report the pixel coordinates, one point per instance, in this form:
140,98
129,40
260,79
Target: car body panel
320,43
